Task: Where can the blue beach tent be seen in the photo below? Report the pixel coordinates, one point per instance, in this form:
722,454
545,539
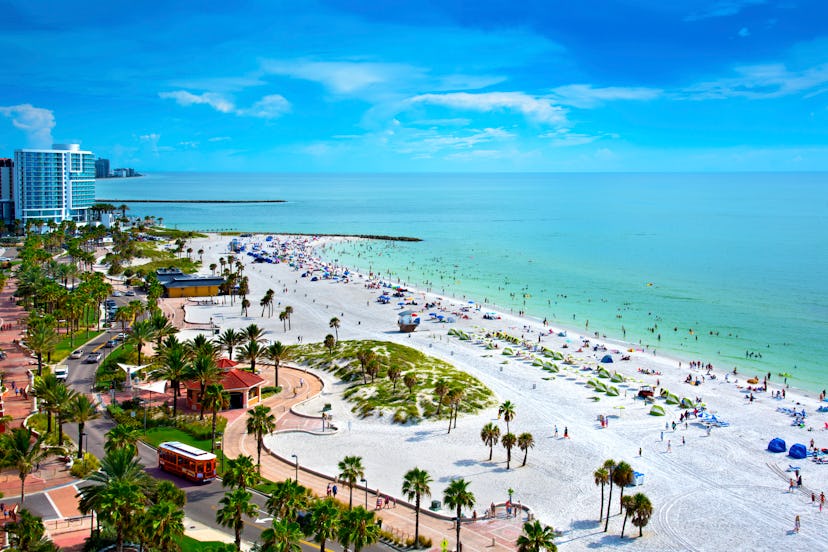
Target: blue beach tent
607,359
798,451
777,445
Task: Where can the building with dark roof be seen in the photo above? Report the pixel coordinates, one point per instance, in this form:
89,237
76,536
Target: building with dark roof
178,284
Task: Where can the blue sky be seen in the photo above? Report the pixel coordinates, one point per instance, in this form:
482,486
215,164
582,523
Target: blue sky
439,85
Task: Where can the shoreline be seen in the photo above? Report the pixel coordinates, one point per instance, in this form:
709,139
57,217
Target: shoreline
191,200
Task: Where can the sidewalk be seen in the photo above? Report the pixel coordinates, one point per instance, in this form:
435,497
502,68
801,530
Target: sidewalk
497,534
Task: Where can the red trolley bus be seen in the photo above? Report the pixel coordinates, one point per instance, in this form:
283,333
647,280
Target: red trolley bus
189,462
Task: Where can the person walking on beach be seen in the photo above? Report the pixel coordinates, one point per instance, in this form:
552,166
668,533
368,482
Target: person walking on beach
556,431
566,432
796,524
791,485
669,446
821,501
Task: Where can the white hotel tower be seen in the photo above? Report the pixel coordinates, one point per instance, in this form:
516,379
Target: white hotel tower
53,184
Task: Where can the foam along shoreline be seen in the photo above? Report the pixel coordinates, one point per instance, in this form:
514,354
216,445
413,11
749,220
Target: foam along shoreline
687,471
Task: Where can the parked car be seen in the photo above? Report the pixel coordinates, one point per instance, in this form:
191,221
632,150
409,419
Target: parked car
93,358
77,354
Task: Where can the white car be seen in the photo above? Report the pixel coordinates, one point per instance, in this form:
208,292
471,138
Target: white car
77,354
61,372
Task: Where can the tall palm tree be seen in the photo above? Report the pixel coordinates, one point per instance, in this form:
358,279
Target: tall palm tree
245,305
122,437
324,521
601,477
441,389
254,333
609,465
288,499
235,505
260,422
118,493
164,526
416,484
251,352
201,346
28,534
642,513
82,410
351,470
277,354
267,302
45,389
288,314
162,327
215,398
230,339
536,538
175,369
394,372
63,397
490,435
507,411
358,529
167,491
19,452
282,536
140,334
335,324
330,343
204,371
454,397
628,505
508,441
240,472
365,357
623,476
525,441
283,319
457,495
42,339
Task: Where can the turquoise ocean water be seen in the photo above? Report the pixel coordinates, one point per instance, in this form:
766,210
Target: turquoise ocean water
720,267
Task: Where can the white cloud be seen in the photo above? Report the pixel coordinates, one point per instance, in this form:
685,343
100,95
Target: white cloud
723,8
744,32
585,96
534,108
184,98
762,82
36,122
269,107
563,137
218,139
342,77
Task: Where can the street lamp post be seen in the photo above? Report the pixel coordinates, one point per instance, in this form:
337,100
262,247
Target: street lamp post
220,446
365,483
295,467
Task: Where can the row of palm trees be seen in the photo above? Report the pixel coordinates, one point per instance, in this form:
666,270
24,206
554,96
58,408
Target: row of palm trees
490,435
63,404
621,475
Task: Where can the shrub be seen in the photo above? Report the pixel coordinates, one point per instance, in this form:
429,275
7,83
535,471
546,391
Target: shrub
82,468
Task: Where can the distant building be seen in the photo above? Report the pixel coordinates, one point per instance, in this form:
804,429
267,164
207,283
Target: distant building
53,184
125,172
102,168
6,190
178,284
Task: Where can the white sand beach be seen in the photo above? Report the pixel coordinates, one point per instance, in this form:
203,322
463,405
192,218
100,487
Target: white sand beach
710,492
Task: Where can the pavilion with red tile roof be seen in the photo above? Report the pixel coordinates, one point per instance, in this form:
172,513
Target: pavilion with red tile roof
244,387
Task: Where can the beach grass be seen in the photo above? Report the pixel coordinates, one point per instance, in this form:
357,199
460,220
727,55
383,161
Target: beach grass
379,396
172,233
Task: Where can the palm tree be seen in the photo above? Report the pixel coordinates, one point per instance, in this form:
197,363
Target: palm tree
204,371
601,477
282,536
42,339
525,441
175,370
351,470
283,316
454,397
240,472
229,339
287,500
536,538
288,314
260,422
441,389
45,389
245,305
251,352
393,374
410,381
22,454
416,485
365,356
623,476
334,323
162,327
234,506
609,465
62,399
164,526
508,441
201,346
457,495
118,492
490,435
324,521
82,410
277,354
357,529
628,505
215,398
330,343
122,437
507,410
28,534
642,513
253,333
167,491
141,332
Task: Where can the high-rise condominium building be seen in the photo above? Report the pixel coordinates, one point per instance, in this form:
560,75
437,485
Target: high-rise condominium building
6,190
102,168
53,184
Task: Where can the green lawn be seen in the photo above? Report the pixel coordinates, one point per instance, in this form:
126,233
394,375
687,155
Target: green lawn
64,346
189,544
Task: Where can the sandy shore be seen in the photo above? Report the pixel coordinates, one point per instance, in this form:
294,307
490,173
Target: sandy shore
710,492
